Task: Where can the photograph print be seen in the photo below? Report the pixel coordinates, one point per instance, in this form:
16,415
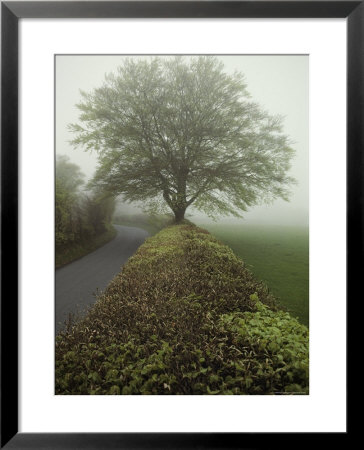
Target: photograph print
181,225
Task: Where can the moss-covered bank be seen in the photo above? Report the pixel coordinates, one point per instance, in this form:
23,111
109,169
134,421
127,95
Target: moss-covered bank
184,316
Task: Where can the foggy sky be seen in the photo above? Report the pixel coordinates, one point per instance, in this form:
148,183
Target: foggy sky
278,83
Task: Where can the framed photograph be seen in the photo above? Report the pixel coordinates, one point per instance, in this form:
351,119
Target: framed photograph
182,221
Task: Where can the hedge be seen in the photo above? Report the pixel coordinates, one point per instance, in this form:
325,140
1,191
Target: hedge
184,316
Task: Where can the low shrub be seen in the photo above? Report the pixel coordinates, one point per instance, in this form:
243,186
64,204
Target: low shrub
184,316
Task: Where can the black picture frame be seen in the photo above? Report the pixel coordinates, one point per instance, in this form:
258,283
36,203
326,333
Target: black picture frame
11,12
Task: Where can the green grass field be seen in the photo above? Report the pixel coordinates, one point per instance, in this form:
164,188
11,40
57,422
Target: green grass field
276,255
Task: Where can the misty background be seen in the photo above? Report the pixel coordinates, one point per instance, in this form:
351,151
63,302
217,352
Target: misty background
278,83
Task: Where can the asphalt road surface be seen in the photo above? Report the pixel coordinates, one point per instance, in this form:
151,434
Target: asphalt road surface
78,282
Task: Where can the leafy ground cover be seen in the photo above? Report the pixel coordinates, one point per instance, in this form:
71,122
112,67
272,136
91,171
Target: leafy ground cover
277,255
65,254
184,316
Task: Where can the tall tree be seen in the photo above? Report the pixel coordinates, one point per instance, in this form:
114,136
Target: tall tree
182,132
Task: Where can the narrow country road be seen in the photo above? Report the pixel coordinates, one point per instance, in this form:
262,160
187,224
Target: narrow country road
77,282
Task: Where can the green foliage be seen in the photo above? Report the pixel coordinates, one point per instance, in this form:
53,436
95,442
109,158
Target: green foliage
184,316
277,255
275,349
64,202
81,221
69,174
99,210
175,132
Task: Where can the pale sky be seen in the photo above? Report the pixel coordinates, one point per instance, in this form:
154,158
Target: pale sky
279,83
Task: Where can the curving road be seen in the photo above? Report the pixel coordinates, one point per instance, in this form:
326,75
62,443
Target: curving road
77,282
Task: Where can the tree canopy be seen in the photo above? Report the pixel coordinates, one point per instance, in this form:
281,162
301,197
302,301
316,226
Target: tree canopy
181,132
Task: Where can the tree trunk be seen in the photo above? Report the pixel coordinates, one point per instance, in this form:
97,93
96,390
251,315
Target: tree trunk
179,215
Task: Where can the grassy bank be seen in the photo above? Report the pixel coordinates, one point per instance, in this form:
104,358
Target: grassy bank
184,316
66,254
277,255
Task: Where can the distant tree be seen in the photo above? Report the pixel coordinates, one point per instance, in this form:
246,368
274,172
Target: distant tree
69,174
183,132
99,208
67,210
64,202
78,215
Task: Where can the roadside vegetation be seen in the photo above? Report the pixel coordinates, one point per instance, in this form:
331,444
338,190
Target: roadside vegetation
68,253
184,316
82,219
277,255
